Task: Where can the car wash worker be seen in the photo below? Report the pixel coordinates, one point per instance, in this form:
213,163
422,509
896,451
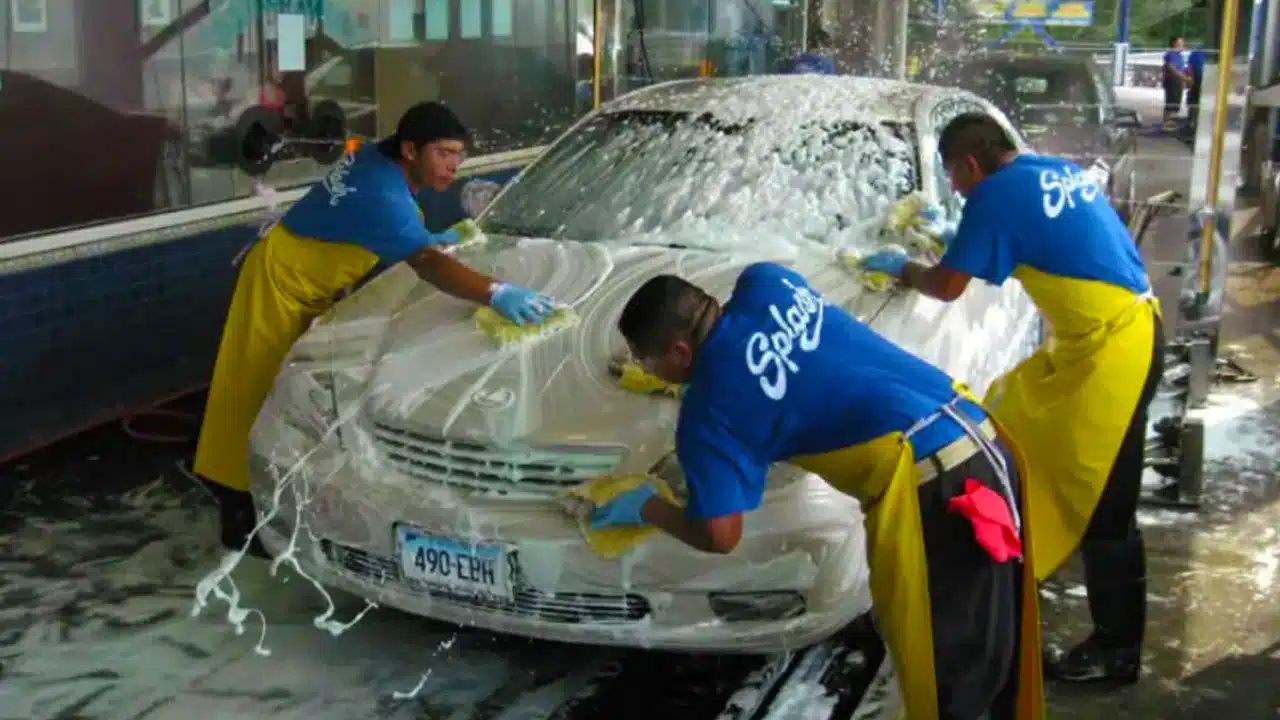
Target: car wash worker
779,374
362,215
1078,407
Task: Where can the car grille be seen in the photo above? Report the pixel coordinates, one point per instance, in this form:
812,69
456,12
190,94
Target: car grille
490,469
529,602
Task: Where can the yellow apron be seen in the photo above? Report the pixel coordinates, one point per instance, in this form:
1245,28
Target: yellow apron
1068,406
882,475
285,282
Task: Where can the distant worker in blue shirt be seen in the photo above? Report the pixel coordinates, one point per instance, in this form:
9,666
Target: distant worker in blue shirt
813,61
780,374
1195,69
1078,406
360,216
1175,79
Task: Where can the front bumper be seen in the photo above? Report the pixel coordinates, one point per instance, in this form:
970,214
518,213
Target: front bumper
776,592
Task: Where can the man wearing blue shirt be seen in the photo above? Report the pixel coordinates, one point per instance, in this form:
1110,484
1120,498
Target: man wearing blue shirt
1078,406
779,374
1176,78
813,61
361,216
1195,70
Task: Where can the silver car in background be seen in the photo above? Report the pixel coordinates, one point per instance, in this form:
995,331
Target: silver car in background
415,463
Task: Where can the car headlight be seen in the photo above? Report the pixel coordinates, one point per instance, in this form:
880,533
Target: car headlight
309,403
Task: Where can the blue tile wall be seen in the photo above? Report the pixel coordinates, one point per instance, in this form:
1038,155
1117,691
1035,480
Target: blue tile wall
88,341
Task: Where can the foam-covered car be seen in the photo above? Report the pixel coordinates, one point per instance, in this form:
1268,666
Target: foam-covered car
412,461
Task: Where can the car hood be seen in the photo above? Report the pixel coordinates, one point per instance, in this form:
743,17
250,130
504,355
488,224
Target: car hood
417,363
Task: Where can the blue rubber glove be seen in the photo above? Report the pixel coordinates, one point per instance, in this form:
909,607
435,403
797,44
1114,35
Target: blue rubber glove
521,305
448,237
623,509
888,261
932,221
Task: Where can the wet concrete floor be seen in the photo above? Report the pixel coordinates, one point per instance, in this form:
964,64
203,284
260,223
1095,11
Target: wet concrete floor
1213,637
103,538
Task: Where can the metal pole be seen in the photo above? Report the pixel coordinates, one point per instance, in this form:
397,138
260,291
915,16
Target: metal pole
901,33
1226,53
804,26
1120,51
1268,73
597,52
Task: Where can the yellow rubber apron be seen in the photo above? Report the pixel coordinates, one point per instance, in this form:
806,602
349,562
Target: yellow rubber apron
285,282
884,477
1068,406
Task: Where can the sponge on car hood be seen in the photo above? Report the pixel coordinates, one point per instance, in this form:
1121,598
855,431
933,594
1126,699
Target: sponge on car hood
504,332
612,542
633,378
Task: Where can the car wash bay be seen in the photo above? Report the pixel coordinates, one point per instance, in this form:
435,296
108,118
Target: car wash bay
103,538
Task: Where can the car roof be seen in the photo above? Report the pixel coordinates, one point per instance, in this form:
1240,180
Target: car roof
784,99
1020,60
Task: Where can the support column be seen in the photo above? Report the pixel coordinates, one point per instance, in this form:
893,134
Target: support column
1120,50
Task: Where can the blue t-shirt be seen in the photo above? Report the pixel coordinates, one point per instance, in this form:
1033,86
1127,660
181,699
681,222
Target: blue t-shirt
364,200
1176,60
784,373
1195,62
1046,213
811,64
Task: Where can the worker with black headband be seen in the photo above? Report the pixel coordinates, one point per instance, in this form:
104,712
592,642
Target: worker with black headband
361,217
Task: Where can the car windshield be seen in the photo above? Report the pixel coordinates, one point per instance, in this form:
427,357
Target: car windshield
1020,89
667,178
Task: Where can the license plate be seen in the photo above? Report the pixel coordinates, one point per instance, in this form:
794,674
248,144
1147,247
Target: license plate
454,566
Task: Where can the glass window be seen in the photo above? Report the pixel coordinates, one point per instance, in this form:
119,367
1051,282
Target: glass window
641,173
146,113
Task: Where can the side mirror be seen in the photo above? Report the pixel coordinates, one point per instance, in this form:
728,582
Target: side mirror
1127,119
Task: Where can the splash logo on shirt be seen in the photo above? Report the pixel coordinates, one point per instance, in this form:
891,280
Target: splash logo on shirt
1060,190
798,326
335,183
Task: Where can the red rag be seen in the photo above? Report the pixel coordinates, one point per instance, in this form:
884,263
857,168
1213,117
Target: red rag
992,522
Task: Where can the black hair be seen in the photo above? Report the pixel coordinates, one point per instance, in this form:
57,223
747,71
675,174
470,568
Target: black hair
661,310
976,135
423,123
1174,40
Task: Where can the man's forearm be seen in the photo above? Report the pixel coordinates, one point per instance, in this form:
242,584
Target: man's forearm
926,279
671,519
451,275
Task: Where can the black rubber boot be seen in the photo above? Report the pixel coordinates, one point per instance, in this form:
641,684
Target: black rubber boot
1115,578
237,518
1092,661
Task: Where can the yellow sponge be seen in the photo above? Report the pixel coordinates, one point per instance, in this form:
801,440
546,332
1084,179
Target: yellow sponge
503,331
614,542
633,378
873,281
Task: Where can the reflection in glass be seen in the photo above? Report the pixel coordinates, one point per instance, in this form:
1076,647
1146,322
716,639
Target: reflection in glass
137,106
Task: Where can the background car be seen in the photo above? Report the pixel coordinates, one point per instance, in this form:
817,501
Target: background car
114,164
396,426
538,95
1063,105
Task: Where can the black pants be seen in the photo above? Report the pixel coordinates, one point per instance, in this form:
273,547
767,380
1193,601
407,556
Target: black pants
1173,90
1193,101
976,602
1115,564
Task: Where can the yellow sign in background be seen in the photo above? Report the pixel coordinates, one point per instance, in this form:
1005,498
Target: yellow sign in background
1067,12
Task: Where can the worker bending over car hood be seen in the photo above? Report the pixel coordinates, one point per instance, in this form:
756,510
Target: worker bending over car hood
1078,407
780,374
361,217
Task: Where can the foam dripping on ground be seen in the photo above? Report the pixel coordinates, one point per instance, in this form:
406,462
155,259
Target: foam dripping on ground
219,583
